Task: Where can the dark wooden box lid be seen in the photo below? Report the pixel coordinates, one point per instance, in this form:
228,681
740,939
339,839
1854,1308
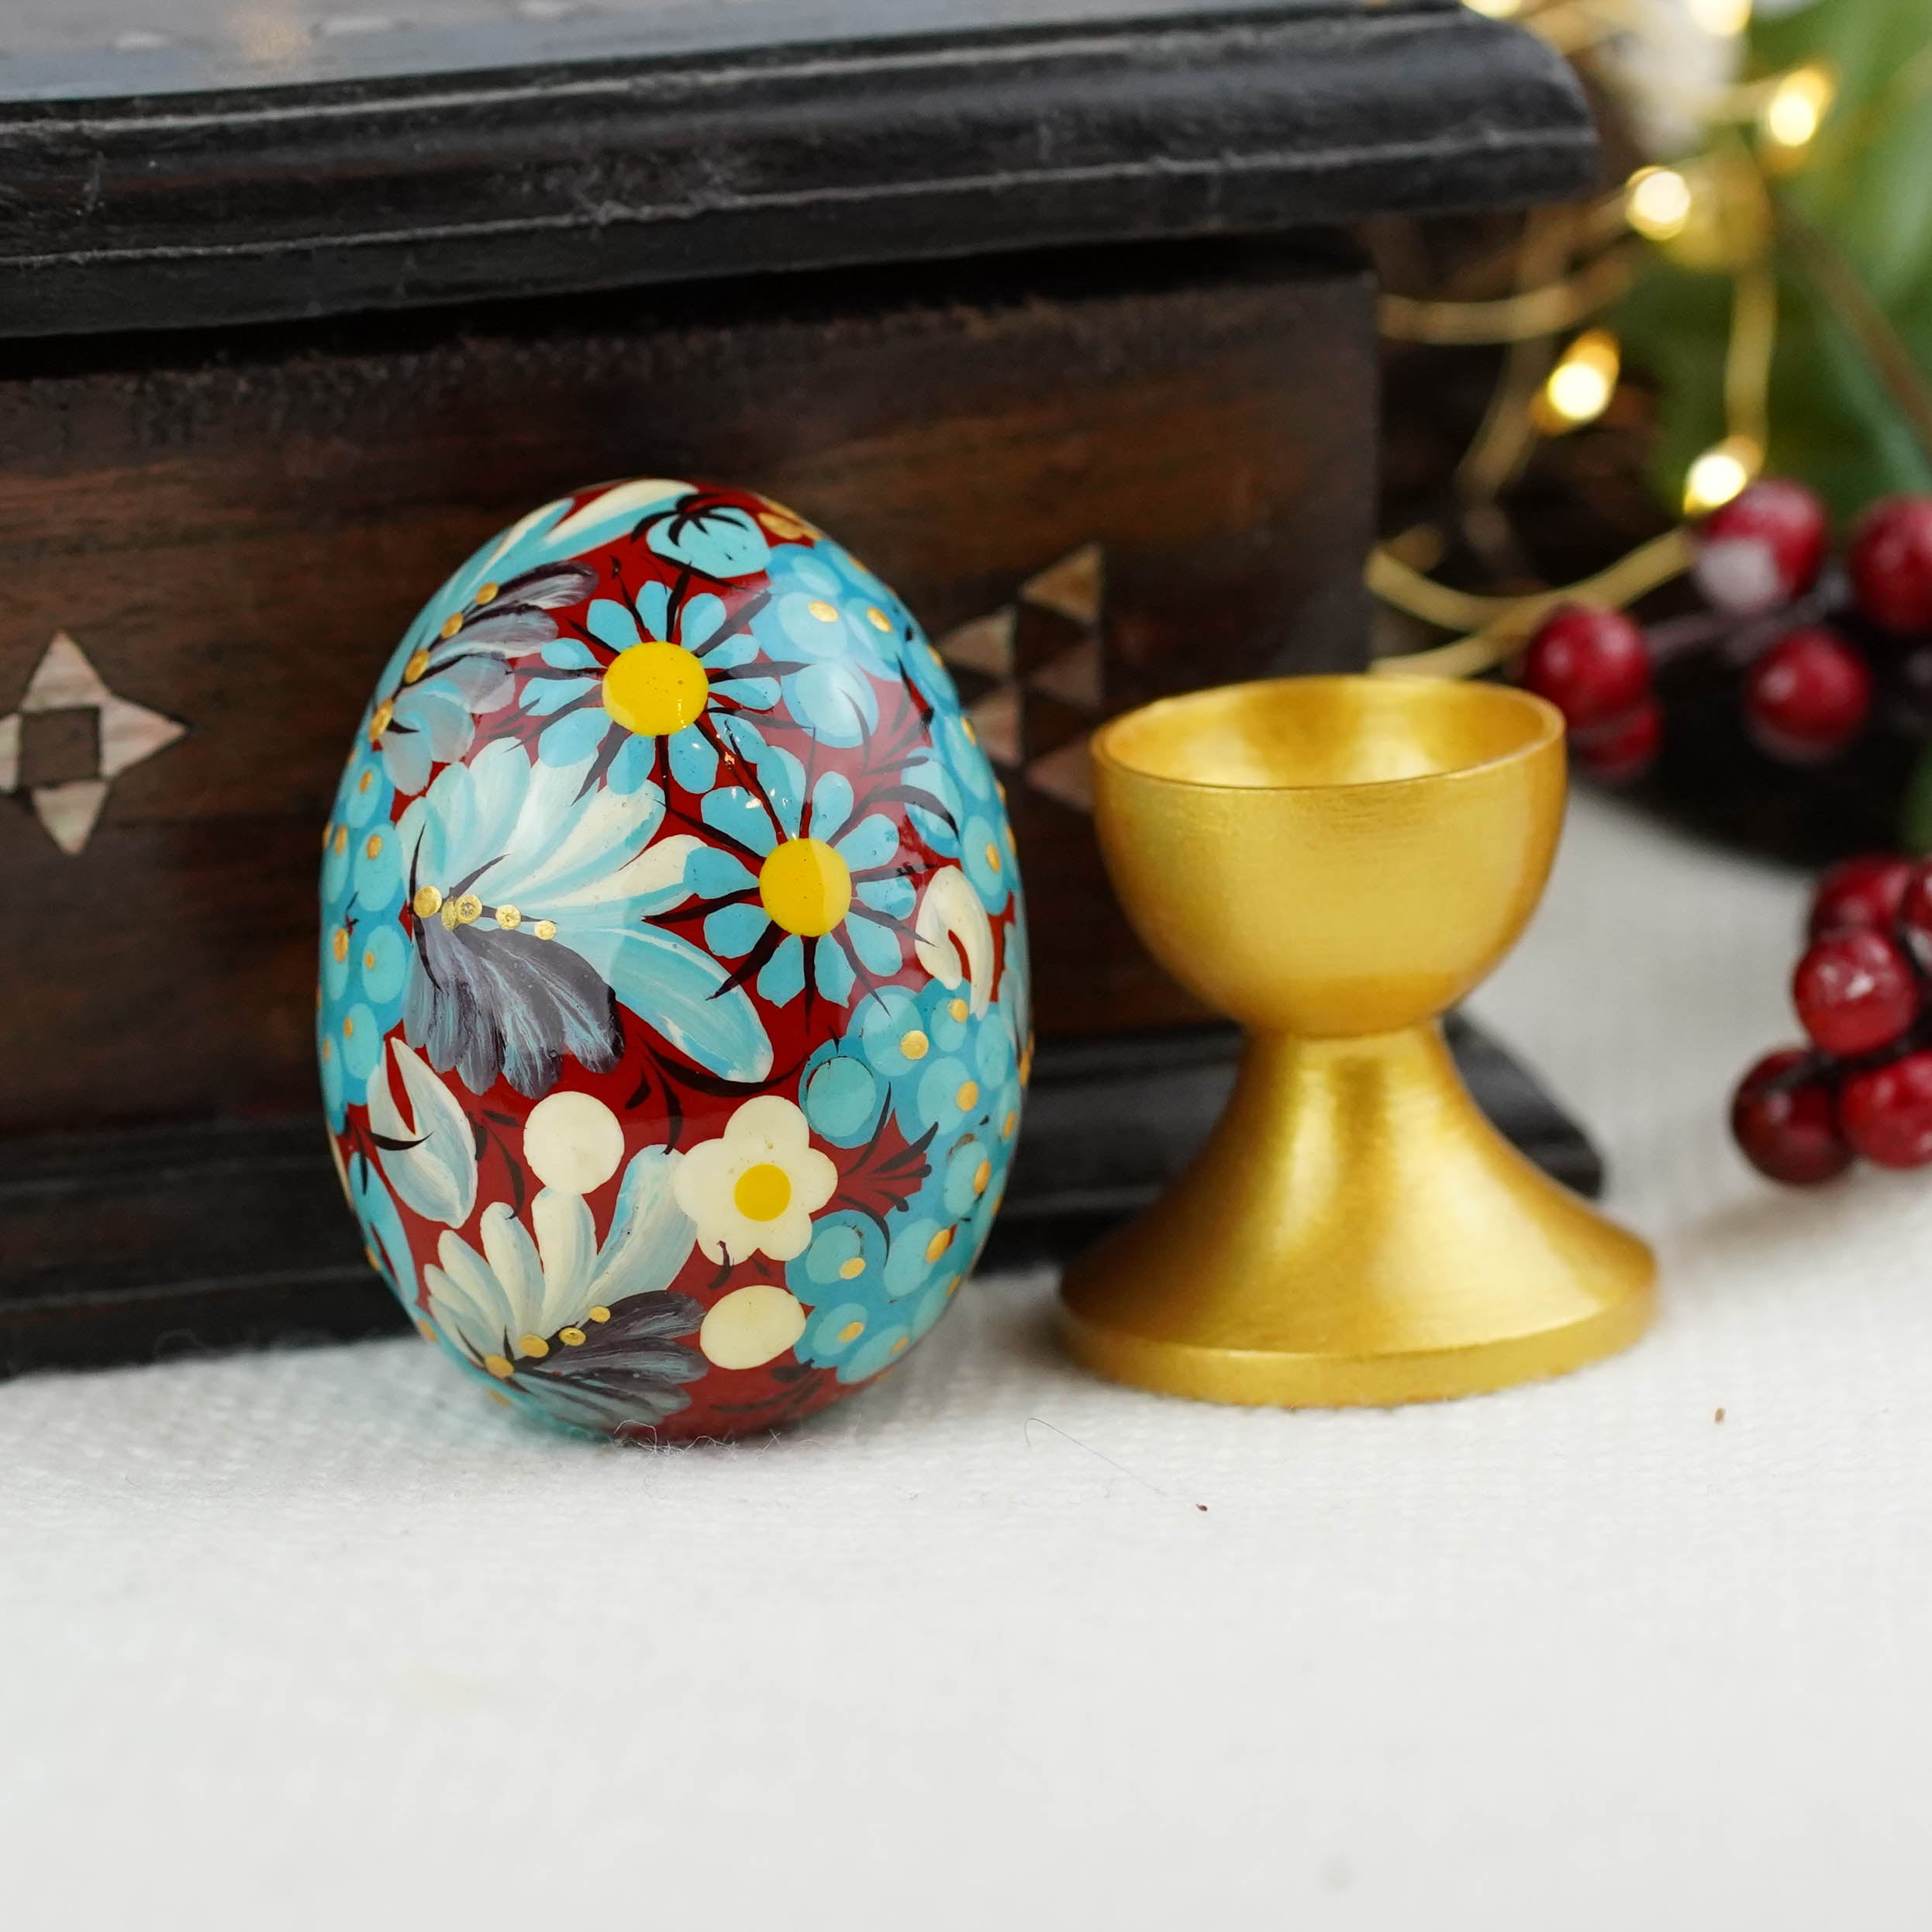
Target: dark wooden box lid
162,169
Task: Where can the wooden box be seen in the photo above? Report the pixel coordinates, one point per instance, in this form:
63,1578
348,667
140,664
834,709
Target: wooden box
1046,311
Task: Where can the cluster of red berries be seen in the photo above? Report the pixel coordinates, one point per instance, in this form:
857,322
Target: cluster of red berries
1863,1086
1763,568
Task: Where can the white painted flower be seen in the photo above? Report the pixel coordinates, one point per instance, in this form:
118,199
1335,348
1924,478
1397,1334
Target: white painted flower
751,1325
953,936
573,1142
754,1189
431,1165
520,1300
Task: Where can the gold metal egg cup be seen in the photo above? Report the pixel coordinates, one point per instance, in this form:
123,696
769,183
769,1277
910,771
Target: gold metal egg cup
1334,862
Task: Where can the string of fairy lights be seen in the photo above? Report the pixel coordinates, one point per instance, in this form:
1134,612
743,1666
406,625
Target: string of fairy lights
1715,211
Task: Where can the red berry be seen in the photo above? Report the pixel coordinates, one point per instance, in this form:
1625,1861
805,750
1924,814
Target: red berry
1807,696
1762,548
1591,664
1886,1112
1854,992
1891,561
1912,916
1865,891
1783,1118
1626,747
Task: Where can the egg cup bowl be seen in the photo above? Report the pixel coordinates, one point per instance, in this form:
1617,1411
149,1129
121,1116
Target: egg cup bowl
1333,862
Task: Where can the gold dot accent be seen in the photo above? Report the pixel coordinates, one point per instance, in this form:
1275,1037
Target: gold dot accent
851,1271
1013,844
497,1396
349,1026
966,725
488,594
825,613
451,626
339,943
369,961
952,1287
498,1366
570,1337
877,619
531,1345
993,855
780,525
914,1045
600,1314
468,909
939,1244
380,722
342,839
968,1095
851,1331
418,662
328,1049
509,918
374,848
981,1174
545,929
898,1346
940,662
1007,1125
328,833
423,1329
428,901
958,1009
367,779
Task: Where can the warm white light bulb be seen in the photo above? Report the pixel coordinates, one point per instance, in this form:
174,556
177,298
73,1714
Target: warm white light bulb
1720,18
1797,106
1656,202
1717,476
1579,387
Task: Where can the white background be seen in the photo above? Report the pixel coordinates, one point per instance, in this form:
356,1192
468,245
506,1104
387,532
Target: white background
324,1640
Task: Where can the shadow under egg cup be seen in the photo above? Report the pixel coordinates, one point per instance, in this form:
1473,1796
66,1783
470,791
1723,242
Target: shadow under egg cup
1333,862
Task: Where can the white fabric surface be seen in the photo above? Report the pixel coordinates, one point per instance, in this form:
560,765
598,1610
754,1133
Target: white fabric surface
323,1639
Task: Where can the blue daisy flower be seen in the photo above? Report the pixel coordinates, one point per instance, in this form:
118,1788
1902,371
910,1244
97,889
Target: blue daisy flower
812,891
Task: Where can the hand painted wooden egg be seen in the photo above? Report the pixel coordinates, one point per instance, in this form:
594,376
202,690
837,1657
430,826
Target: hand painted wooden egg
673,1013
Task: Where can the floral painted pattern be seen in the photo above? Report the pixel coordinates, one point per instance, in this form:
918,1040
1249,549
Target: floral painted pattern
673,1007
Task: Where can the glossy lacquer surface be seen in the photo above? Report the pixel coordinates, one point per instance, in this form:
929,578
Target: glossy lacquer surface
673,1010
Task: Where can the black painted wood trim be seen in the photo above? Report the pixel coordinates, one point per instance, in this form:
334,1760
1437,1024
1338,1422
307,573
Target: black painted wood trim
200,209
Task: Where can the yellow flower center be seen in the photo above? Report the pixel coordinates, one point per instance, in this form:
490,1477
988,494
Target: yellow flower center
340,944
851,1271
851,1331
763,1193
914,1044
655,688
805,886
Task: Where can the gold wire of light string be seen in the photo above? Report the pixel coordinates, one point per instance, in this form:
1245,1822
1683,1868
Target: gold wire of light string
1530,319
